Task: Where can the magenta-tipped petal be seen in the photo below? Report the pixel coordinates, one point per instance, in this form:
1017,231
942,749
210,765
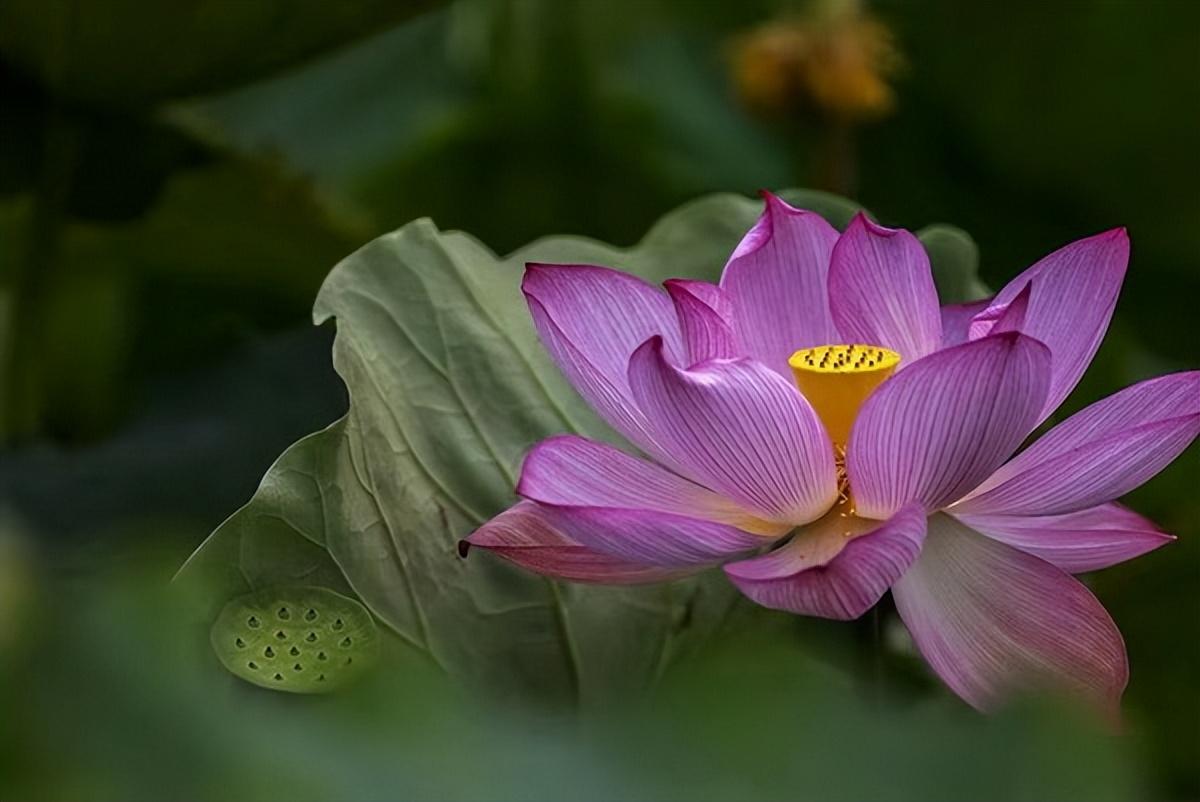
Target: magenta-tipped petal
1085,540
705,318
526,537
740,429
824,572
1098,454
590,319
776,282
932,433
881,290
572,471
1071,305
956,321
992,620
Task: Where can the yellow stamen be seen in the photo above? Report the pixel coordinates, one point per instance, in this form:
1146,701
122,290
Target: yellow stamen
836,379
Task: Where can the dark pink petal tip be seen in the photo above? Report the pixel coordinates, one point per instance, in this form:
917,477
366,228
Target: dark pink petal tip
535,271
653,344
763,231
529,538
1077,542
861,218
705,320
1069,309
1012,318
777,204
532,269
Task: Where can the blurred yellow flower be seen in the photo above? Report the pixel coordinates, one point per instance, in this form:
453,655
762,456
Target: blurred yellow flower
834,61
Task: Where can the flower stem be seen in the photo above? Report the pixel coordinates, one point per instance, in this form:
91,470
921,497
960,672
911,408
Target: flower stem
837,165
872,657
877,679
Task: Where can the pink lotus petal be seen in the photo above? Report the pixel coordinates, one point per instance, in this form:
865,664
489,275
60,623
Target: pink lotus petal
1086,540
956,321
1077,288
935,431
881,290
1091,474
1098,454
652,538
776,283
992,620
590,320
572,471
525,537
705,317
738,428
825,572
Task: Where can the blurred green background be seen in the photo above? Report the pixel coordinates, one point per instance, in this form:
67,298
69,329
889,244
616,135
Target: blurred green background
176,180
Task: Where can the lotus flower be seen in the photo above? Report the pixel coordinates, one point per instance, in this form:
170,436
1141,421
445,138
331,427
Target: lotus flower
819,426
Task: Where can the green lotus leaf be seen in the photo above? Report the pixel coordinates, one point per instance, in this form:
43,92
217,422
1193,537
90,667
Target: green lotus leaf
954,258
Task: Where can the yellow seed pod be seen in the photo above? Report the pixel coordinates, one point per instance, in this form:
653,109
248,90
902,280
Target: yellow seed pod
836,379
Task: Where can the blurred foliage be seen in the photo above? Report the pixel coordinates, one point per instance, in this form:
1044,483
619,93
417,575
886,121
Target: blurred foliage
154,245
1067,119
122,52
114,701
189,251
587,125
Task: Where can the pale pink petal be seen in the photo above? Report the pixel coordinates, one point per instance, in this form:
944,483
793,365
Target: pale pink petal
1072,303
738,428
524,536
705,318
1098,454
590,320
992,620
776,281
935,431
838,567
572,471
1085,540
881,290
